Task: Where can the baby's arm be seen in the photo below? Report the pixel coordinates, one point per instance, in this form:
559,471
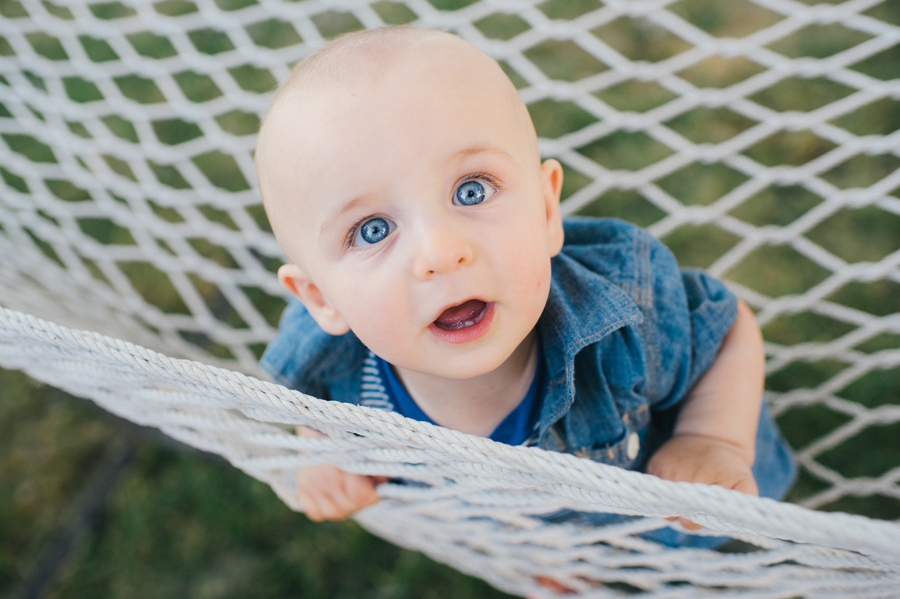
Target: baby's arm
714,441
328,493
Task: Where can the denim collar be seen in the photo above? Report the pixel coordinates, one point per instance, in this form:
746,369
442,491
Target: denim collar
583,307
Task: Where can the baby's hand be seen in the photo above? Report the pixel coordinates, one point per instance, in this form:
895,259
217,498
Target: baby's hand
698,459
328,493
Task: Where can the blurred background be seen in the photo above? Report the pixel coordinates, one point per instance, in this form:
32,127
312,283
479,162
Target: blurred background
92,506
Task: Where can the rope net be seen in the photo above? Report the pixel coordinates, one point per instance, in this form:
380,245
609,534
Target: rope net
478,505
759,139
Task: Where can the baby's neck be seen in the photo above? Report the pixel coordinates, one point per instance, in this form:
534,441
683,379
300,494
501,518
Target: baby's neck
477,405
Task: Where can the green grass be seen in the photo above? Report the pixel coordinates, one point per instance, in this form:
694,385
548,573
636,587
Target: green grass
47,443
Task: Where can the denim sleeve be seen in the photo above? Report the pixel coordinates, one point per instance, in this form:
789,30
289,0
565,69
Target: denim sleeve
286,358
691,312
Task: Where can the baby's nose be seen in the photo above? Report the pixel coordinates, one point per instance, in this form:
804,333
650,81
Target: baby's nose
441,251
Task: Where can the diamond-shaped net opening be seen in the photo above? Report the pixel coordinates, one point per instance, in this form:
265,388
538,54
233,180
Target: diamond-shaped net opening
759,139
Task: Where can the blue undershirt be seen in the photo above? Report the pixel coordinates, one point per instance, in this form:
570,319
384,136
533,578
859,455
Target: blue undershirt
516,429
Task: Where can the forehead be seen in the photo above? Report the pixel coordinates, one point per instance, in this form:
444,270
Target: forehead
431,85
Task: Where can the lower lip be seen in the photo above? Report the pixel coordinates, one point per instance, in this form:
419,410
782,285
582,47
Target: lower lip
466,334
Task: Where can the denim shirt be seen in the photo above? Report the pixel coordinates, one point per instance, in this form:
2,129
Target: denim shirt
625,332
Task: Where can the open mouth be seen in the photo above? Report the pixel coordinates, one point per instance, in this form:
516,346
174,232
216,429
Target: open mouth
464,315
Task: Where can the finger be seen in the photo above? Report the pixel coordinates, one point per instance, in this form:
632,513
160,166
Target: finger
306,494
689,524
747,485
310,508
556,587
347,494
342,505
361,491
303,431
316,487
333,507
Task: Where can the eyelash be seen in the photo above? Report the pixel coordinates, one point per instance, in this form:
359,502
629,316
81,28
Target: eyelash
351,234
490,179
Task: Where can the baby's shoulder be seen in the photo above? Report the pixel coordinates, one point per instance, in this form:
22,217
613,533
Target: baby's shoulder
582,230
302,354
619,250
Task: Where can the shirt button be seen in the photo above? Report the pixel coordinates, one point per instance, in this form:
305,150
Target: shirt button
633,446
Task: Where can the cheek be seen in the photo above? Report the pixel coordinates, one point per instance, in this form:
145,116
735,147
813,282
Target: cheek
373,312
541,280
532,279
529,265
530,283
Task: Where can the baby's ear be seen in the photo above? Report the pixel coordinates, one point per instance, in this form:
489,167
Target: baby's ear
298,284
552,179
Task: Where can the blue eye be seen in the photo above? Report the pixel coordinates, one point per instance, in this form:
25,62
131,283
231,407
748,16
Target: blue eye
472,192
373,231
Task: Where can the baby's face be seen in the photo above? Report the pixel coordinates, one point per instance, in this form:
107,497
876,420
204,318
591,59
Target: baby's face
417,212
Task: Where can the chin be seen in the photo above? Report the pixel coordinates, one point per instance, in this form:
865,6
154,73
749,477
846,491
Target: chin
473,366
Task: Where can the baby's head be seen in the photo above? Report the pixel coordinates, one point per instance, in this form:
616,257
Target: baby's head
401,175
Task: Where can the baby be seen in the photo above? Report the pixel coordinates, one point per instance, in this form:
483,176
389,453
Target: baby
436,277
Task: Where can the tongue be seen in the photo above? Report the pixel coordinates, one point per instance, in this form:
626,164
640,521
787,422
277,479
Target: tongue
455,317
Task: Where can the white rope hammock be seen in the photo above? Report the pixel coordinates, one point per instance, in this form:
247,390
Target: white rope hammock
481,509
128,207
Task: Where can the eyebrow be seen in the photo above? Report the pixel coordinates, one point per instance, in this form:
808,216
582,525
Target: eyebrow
475,150
339,212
